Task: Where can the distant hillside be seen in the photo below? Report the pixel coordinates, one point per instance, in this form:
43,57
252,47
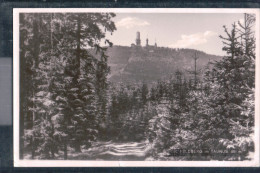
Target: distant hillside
148,64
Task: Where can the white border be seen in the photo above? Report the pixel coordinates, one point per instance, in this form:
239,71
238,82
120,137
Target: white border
74,163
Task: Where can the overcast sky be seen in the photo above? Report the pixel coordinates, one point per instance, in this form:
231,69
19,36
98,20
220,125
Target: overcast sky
197,31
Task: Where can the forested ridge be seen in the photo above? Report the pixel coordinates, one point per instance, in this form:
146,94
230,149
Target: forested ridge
69,109
148,64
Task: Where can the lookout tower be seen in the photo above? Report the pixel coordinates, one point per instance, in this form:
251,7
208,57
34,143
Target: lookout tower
138,40
147,44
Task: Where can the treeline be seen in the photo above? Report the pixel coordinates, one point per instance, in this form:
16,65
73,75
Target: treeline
212,112
63,85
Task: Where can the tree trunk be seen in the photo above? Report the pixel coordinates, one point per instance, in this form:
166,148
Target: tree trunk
78,46
65,151
32,148
77,146
36,52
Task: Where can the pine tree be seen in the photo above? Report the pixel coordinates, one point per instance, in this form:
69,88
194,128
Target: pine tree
144,93
49,69
231,88
102,89
26,74
196,71
30,54
88,33
247,35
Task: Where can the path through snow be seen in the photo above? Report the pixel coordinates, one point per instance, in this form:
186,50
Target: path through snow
113,151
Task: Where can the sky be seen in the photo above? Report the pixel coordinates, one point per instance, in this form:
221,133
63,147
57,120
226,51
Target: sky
175,30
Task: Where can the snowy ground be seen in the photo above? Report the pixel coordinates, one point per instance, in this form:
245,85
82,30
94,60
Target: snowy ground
112,151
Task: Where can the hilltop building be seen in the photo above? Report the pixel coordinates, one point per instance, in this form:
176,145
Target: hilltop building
138,40
138,43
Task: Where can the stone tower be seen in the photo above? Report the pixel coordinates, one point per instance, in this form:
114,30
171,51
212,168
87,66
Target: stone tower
147,44
138,40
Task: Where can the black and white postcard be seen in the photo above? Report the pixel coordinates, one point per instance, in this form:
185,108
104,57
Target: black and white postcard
136,87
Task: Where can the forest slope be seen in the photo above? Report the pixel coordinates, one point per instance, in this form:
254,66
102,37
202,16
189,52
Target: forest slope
148,64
